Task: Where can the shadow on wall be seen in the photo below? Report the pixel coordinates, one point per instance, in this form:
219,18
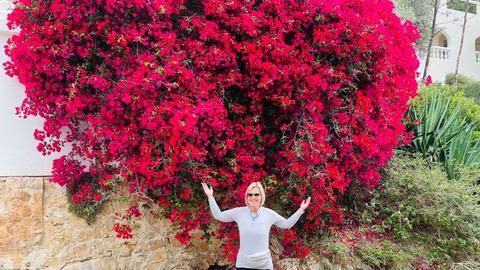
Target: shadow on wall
217,267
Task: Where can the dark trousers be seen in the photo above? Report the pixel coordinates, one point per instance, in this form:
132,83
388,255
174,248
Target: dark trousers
243,268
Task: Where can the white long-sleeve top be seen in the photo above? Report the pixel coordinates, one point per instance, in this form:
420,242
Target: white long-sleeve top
254,232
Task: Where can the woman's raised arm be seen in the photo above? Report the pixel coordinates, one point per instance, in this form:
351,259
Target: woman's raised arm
284,223
225,216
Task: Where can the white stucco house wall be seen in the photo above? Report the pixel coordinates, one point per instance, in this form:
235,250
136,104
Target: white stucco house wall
18,154
446,44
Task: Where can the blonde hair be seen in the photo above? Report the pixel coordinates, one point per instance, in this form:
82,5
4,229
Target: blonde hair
260,187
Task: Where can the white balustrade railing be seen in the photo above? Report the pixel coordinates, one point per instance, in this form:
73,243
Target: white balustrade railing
441,53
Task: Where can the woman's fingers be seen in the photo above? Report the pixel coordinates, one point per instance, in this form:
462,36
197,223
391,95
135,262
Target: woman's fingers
305,203
206,189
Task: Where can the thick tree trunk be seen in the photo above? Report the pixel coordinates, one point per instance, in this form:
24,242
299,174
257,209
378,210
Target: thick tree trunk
455,77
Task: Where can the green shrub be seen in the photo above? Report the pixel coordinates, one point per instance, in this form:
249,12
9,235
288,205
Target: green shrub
337,252
383,255
399,221
467,107
461,79
86,210
460,6
472,90
446,129
469,86
89,208
419,204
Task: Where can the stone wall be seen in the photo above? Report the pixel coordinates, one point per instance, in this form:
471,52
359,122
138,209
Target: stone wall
38,232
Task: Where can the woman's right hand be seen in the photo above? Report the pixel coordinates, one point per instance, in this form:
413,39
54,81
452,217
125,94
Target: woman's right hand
208,190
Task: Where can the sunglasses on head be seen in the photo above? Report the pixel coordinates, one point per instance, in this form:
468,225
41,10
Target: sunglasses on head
253,194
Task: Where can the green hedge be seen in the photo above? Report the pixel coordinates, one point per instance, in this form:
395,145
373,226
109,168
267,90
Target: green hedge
460,6
469,86
422,208
446,127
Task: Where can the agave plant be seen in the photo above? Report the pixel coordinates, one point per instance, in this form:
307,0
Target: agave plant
442,134
464,150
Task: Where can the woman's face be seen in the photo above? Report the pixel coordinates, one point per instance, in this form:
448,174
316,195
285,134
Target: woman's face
254,197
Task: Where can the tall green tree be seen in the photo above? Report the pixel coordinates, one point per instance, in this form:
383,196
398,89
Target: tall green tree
467,5
420,13
435,4
423,14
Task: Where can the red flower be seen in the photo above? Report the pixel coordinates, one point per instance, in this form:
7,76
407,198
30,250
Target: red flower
428,80
160,98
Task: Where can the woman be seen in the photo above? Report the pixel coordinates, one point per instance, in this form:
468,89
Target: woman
254,222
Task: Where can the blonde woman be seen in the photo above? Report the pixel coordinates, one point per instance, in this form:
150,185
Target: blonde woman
254,222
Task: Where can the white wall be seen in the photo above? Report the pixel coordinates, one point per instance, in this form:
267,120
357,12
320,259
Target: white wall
18,154
451,21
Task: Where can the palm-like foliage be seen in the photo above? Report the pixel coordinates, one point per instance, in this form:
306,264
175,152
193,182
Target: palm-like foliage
463,150
442,134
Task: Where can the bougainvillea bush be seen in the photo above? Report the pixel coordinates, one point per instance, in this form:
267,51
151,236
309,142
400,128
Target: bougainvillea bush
159,95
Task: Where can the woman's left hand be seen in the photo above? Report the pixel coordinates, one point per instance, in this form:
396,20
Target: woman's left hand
305,204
